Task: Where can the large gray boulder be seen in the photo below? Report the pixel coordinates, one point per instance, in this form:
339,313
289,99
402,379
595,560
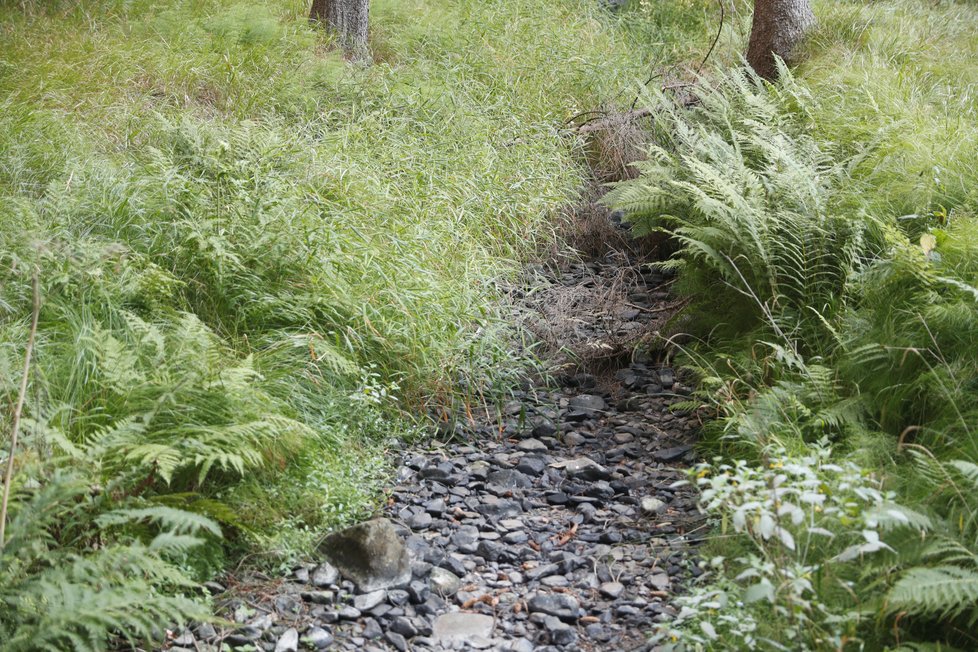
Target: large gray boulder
370,554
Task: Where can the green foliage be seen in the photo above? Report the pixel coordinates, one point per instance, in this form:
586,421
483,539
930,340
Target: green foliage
260,264
812,524
943,592
71,578
766,236
826,232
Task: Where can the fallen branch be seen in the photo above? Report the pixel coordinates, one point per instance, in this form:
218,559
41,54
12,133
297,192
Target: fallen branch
9,475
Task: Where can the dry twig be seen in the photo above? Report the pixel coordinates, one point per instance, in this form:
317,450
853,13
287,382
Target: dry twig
9,475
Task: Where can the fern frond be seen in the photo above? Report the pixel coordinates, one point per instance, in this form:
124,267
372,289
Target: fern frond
942,591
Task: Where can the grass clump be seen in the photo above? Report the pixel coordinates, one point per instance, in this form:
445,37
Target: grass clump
826,228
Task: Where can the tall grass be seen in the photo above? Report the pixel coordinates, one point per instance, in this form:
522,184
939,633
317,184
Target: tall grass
260,264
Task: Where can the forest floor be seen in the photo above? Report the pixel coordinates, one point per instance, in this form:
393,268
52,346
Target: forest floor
549,522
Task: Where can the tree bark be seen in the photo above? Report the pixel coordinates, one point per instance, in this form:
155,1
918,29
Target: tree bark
349,19
777,29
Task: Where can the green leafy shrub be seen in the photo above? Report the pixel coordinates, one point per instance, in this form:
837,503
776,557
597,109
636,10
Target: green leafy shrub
811,523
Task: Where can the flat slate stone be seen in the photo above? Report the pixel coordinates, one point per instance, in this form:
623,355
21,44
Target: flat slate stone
587,403
460,626
532,445
671,454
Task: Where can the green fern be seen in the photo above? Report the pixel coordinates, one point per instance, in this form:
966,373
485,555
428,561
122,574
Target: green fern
944,592
54,598
753,203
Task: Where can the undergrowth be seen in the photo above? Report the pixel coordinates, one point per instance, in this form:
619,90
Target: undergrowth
259,266
827,228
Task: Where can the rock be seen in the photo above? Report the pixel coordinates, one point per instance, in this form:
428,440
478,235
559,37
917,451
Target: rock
612,590
453,564
584,468
493,551
462,627
561,605
544,427
206,632
288,604
587,403
370,554
561,634
324,575
542,571
660,581
651,505
574,439
243,636
318,597
666,377
598,632
444,582
186,639
368,601
418,591
435,507
521,645
532,446
611,536
509,479
530,465
288,641
348,613
558,498
397,641
404,627
494,507
371,629
420,521
398,597
671,454
516,538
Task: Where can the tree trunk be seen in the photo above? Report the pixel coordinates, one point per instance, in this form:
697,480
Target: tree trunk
778,27
349,18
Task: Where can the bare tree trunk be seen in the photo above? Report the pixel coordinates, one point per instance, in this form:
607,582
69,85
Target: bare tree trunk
778,27
349,18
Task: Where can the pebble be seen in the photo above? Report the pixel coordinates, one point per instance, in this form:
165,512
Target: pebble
325,575
532,445
288,641
561,605
459,626
367,601
651,505
444,582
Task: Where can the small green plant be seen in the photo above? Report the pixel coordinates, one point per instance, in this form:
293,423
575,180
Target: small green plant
809,523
